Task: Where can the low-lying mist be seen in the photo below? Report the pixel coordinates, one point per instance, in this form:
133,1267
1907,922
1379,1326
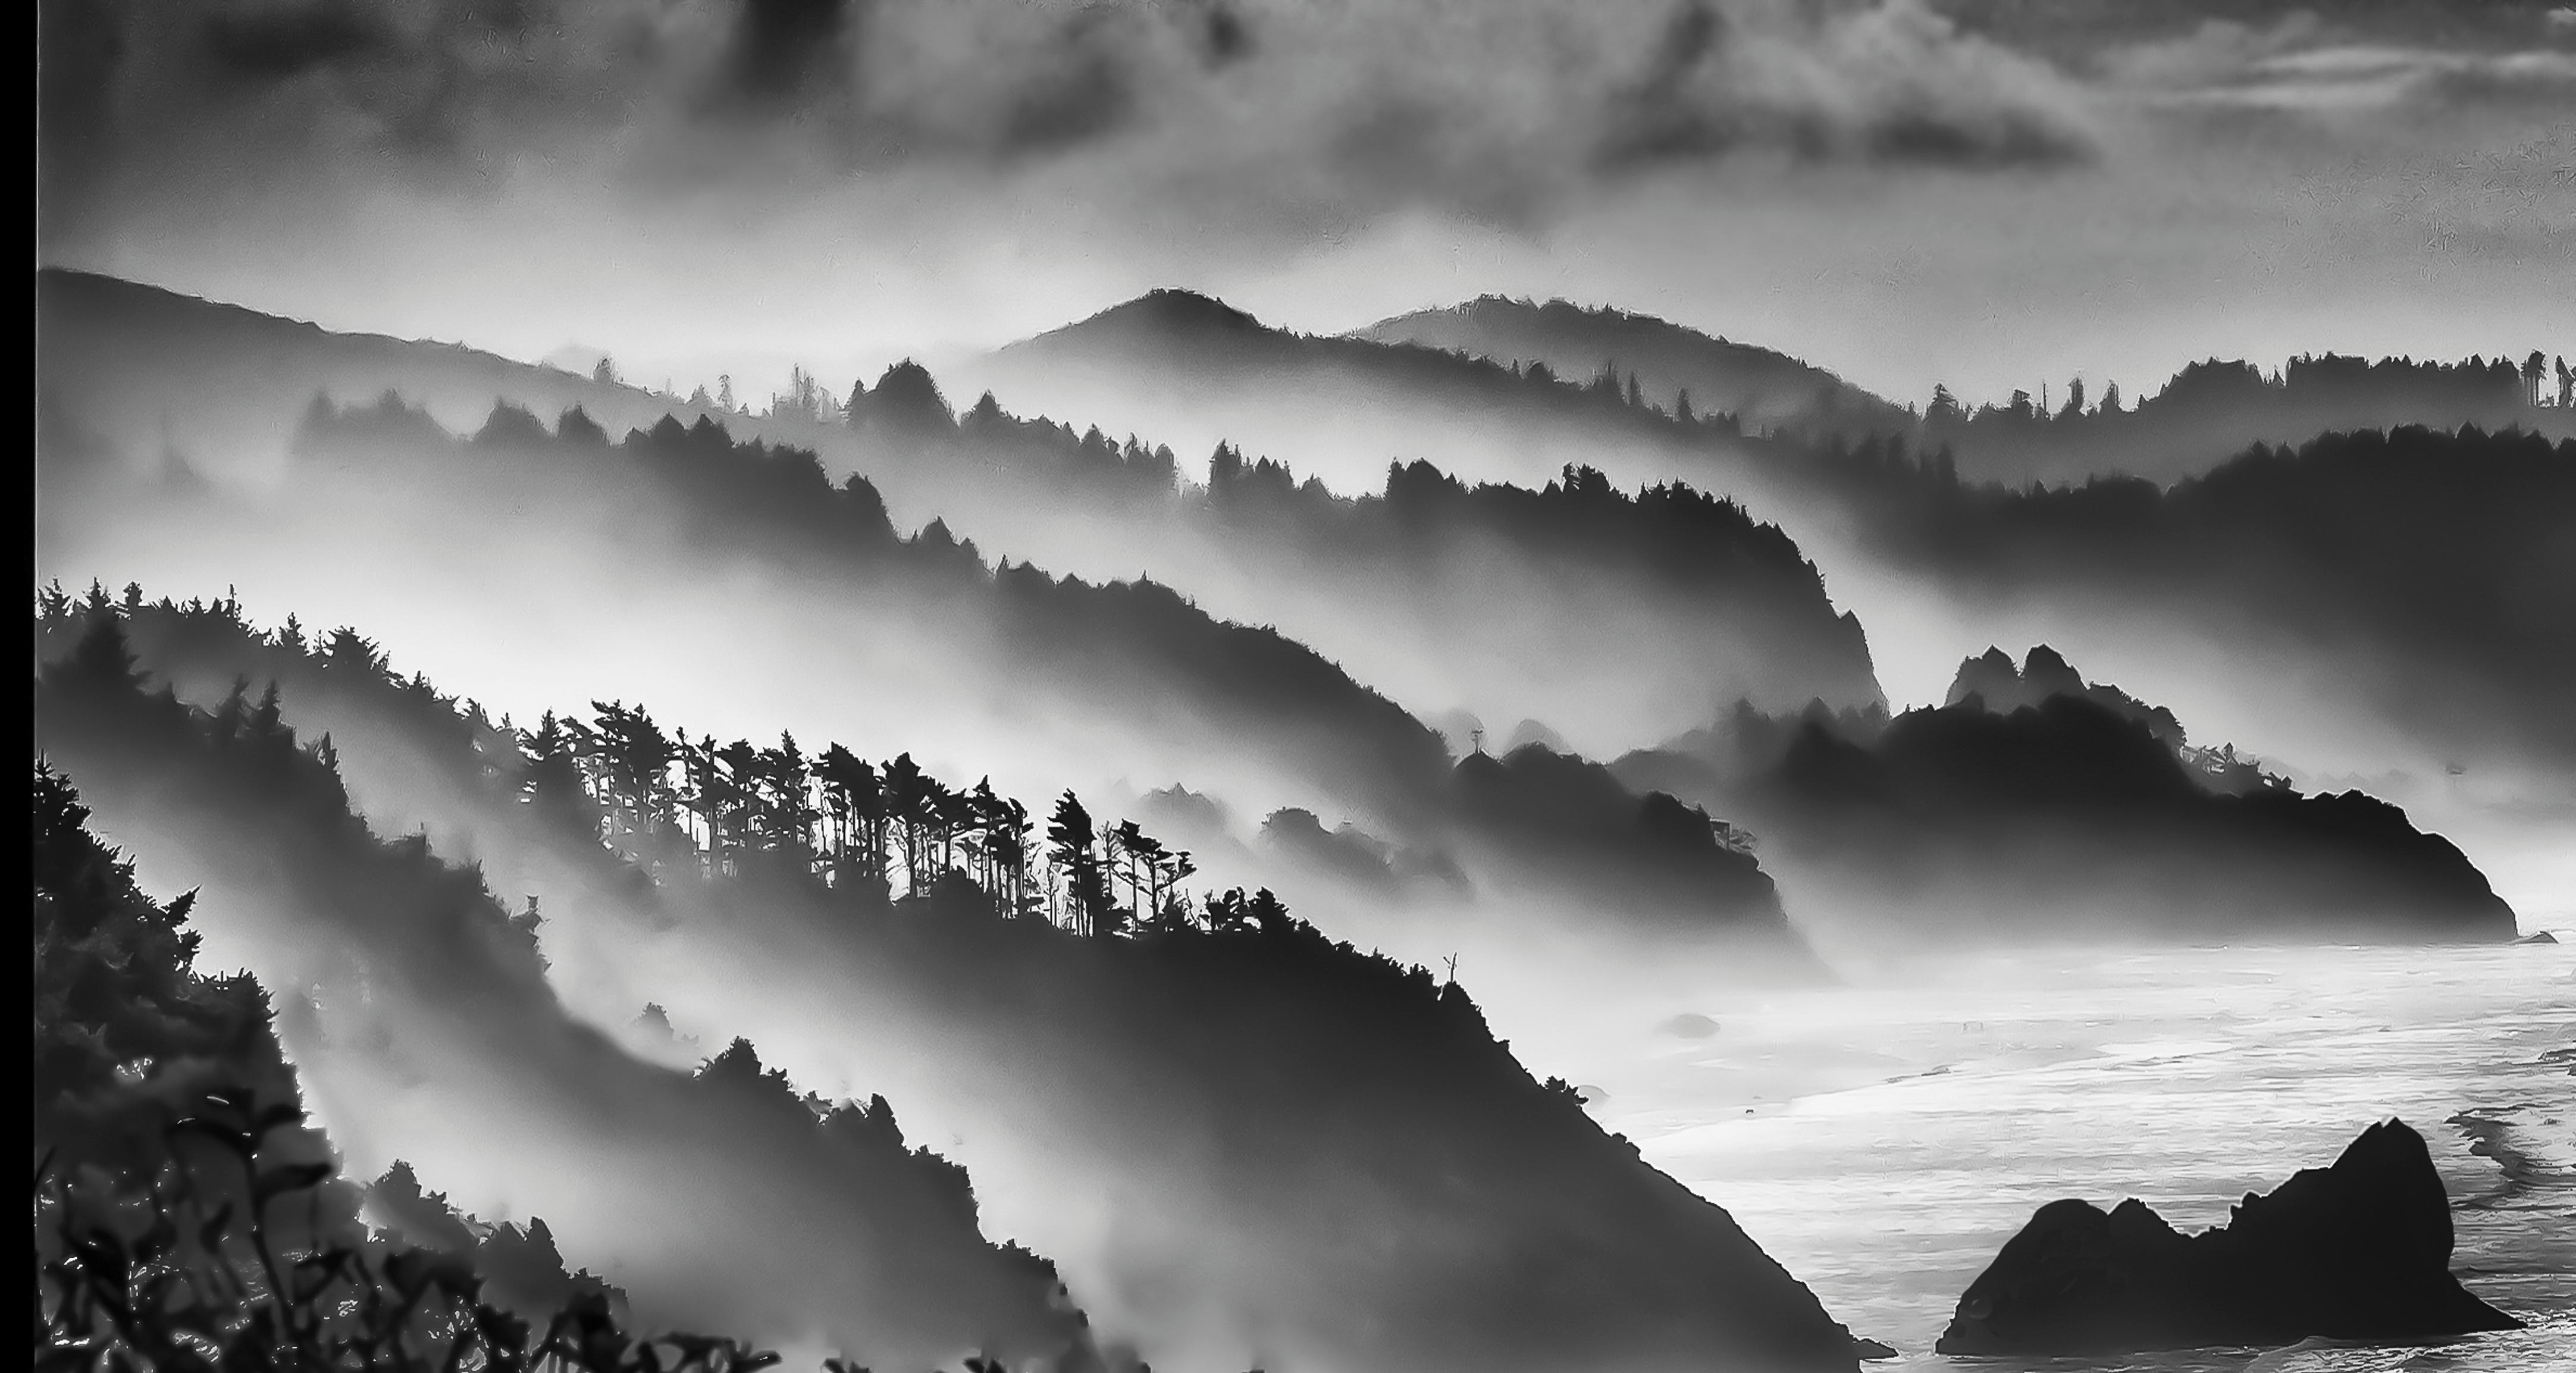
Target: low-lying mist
423,1024
527,560
1287,1149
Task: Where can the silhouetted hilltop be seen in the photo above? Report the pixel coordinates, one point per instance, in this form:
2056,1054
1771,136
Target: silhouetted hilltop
1990,682
2039,804
2358,1251
1677,369
799,1221
906,403
1181,338
1265,1092
1168,316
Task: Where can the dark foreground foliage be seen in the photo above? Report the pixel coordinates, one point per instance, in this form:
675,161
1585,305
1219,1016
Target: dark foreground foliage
185,1215
182,1270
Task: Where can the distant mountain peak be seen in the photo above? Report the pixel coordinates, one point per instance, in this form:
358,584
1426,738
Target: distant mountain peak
1165,318
1177,309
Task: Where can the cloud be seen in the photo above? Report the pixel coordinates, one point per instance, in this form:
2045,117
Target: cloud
2300,63
1497,108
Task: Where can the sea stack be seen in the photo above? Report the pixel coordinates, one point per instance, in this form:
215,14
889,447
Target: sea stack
2358,1251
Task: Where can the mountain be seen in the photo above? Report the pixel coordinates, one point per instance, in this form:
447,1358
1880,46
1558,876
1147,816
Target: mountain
1164,320
1200,373
2305,596
1674,367
1607,615
1238,1095
1613,622
652,520
619,544
2039,806
2201,416
2366,606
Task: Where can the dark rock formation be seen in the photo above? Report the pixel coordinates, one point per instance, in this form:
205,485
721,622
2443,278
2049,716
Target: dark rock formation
2358,1251
1990,682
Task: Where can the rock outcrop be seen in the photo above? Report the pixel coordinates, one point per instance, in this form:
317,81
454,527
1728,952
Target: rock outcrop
2358,1251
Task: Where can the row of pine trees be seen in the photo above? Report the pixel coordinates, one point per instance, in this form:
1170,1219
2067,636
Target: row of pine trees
672,802
681,805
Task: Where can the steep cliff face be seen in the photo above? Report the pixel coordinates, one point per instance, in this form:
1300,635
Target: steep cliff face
2357,1251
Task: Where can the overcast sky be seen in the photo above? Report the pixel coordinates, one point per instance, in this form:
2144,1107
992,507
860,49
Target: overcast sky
1983,192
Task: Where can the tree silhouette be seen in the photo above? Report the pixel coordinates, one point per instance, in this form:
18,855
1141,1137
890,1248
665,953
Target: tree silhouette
1073,850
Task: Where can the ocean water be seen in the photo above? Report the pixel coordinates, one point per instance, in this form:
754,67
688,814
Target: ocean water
1883,1138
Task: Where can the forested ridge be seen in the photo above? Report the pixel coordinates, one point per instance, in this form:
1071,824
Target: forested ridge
1117,647
270,820
2032,797
1221,960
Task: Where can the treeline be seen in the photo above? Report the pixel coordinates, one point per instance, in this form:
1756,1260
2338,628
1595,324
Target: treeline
2195,419
1679,569
231,792
1506,357
1695,561
1112,644
1683,554
2213,410
1690,540
2335,384
1136,651
667,802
